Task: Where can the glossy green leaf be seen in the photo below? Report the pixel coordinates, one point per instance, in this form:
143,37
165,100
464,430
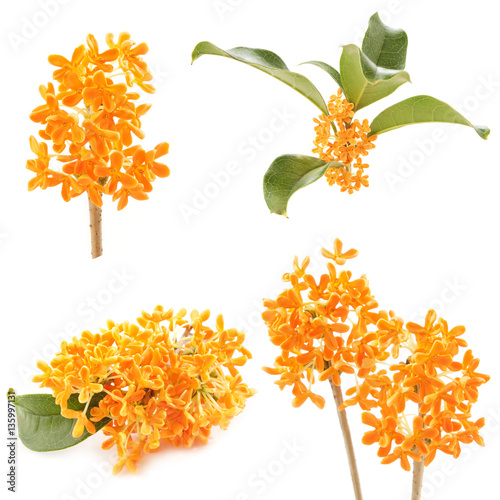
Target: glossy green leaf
363,81
41,426
289,173
420,109
329,69
384,46
269,63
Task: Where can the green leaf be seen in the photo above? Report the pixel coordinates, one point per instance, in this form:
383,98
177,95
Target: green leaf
289,173
384,46
269,63
41,425
420,109
363,81
329,69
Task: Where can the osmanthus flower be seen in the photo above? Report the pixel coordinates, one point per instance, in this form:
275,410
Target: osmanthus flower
167,378
346,142
88,117
321,326
365,75
431,377
414,384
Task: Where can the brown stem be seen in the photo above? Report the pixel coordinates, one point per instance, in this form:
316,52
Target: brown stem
95,213
346,433
418,478
418,474
187,331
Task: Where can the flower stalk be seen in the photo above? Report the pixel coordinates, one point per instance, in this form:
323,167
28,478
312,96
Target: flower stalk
95,214
346,434
418,471
418,477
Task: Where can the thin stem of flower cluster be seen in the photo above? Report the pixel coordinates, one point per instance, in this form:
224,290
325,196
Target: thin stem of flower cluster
95,214
418,476
346,434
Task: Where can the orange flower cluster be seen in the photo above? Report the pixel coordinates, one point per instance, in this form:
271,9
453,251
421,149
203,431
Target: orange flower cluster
332,326
166,378
347,144
96,138
309,321
429,375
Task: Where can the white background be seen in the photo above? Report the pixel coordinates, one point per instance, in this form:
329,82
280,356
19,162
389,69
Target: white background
431,239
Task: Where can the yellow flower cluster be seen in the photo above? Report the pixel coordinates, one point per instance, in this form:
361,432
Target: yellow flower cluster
166,378
96,137
346,144
331,326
